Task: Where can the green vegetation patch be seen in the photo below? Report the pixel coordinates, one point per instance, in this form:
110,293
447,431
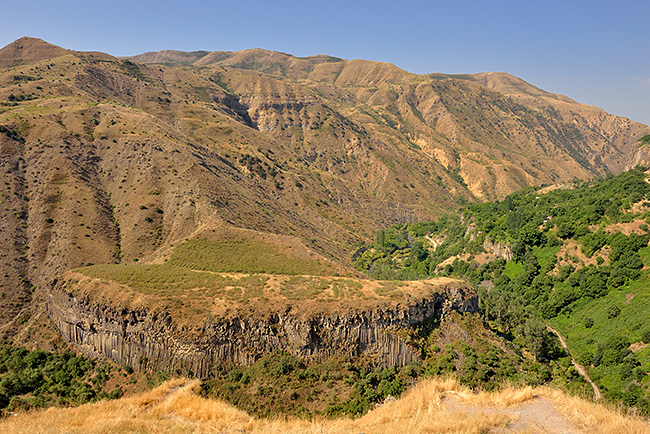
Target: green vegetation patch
600,300
158,279
645,140
182,286
281,384
514,269
601,332
242,256
547,256
313,288
169,280
37,379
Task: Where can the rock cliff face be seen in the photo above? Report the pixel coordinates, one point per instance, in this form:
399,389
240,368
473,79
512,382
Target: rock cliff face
502,251
148,340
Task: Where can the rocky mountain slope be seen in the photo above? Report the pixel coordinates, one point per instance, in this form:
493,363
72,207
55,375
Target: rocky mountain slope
496,131
108,160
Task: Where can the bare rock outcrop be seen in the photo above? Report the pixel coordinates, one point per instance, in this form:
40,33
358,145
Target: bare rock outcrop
150,340
502,251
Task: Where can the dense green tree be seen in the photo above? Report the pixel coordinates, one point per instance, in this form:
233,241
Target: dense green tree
530,235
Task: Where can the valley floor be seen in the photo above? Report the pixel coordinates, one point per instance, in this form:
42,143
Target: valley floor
433,406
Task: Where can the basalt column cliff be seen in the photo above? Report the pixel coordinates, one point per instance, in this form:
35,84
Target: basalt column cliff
151,339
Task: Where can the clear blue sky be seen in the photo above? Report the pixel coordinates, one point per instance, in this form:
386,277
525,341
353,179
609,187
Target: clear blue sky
596,52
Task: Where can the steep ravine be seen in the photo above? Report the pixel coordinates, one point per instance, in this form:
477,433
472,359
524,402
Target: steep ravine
148,340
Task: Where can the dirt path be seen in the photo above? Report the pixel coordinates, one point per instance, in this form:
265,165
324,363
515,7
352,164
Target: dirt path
582,371
538,416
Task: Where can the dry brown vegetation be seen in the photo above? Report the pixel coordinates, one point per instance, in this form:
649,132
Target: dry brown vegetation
109,161
106,160
194,295
633,227
571,253
433,406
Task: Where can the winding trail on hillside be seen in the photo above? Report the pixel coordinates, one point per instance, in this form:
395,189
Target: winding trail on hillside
581,370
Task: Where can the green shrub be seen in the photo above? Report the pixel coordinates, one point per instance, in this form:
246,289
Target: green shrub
645,336
613,312
38,378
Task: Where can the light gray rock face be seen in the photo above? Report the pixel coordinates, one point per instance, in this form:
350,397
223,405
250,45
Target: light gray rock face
502,251
149,340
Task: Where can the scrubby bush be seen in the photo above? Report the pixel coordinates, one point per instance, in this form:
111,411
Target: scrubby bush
39,378
613,311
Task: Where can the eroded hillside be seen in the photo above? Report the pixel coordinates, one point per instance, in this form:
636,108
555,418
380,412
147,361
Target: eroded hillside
108,160
496,131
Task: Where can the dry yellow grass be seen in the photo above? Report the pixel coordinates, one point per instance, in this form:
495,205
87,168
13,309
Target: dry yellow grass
207,293
175,407
507,397
596,418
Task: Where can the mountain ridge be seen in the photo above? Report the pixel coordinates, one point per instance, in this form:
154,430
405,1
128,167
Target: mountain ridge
108,160
28,49
218,190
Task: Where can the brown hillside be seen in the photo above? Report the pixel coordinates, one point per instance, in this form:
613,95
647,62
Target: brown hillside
27,50
497,131
170,57
107,160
